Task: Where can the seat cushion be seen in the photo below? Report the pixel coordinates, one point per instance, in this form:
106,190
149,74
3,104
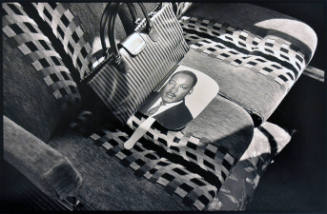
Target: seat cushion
213,142
113,178
264,63
39,93
205,151
256,93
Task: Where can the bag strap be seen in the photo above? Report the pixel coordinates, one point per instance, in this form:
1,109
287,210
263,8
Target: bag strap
105,17
128,16
103,22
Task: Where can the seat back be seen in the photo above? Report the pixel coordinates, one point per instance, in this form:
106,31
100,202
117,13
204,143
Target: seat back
39,92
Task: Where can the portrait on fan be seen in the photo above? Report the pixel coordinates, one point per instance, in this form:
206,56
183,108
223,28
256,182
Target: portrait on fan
181,98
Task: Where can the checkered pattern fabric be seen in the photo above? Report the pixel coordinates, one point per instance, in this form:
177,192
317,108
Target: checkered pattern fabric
24,34
67,28
206,155
175,178
271,56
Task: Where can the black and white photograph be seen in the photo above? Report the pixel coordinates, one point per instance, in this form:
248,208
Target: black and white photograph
186,93
164,106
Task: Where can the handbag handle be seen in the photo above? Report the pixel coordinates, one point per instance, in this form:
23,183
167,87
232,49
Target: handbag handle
103,21
109,16
128,16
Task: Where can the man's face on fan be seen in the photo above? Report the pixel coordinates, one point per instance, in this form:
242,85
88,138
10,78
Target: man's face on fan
177,88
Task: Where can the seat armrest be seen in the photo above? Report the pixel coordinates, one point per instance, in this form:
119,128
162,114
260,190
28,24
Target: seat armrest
44,166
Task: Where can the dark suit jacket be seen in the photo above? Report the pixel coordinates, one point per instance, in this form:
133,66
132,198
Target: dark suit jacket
174,118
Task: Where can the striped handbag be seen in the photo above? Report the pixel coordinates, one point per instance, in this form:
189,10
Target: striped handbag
130,70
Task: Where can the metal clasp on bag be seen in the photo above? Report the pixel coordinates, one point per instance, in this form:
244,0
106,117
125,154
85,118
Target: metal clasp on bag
134,44
117,60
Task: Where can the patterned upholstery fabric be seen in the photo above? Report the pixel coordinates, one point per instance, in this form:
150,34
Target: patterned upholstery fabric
260,21
176,178
251,50
270,63
108,184
66,27
204,159
238,187
201,164
36,62
210,157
